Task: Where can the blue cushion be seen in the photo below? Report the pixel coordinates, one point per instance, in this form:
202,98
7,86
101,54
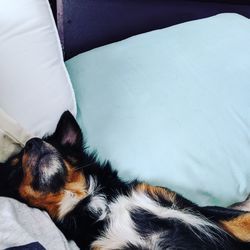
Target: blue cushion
172,107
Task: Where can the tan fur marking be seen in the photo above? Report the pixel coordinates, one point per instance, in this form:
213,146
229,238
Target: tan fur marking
75,183
155,192
14,161
238,227
96,248
48,201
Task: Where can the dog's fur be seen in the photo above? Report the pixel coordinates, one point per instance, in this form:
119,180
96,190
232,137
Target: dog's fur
94,207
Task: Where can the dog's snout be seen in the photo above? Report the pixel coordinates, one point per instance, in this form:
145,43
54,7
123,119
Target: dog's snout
33,144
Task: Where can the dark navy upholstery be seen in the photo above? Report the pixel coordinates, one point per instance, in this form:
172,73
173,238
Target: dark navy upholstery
31,246
87,24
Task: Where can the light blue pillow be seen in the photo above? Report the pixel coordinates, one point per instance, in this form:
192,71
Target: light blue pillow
172,107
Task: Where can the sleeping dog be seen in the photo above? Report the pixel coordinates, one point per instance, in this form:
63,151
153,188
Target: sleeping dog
98,210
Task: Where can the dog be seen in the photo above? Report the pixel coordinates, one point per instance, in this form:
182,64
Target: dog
91,205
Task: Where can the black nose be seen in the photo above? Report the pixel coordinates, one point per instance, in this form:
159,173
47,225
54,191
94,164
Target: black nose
33,144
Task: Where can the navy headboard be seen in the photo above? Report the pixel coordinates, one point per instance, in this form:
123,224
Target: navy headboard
87,24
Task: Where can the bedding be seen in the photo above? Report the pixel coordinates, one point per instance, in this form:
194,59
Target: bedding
22,227
172,107
34,85
12,136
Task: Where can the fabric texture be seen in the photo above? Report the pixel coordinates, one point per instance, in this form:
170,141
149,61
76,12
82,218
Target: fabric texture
31,246
12,136
34,85
172,107
21,225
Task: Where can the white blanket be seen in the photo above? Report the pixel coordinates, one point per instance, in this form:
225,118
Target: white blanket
21,225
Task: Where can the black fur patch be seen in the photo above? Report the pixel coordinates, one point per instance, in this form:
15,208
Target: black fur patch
11,178
173,233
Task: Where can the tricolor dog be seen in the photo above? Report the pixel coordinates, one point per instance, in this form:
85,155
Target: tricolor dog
98,210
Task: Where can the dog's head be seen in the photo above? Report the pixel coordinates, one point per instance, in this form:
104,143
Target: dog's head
51,176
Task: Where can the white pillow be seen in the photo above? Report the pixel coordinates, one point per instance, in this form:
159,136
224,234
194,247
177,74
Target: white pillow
34,85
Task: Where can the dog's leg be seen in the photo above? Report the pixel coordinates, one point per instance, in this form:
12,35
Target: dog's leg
238,226
235,222
157,193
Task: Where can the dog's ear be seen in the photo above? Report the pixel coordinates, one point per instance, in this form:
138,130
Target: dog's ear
68,132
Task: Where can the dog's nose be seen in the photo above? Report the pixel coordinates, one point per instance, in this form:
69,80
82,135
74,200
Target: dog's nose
33,144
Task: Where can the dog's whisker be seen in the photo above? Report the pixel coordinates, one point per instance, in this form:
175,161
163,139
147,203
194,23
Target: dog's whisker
84,166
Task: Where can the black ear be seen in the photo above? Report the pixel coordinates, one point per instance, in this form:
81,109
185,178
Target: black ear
68,132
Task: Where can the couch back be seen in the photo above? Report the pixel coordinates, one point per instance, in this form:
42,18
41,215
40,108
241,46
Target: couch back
87,24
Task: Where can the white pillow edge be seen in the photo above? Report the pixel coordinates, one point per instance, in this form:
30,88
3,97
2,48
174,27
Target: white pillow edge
60,54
